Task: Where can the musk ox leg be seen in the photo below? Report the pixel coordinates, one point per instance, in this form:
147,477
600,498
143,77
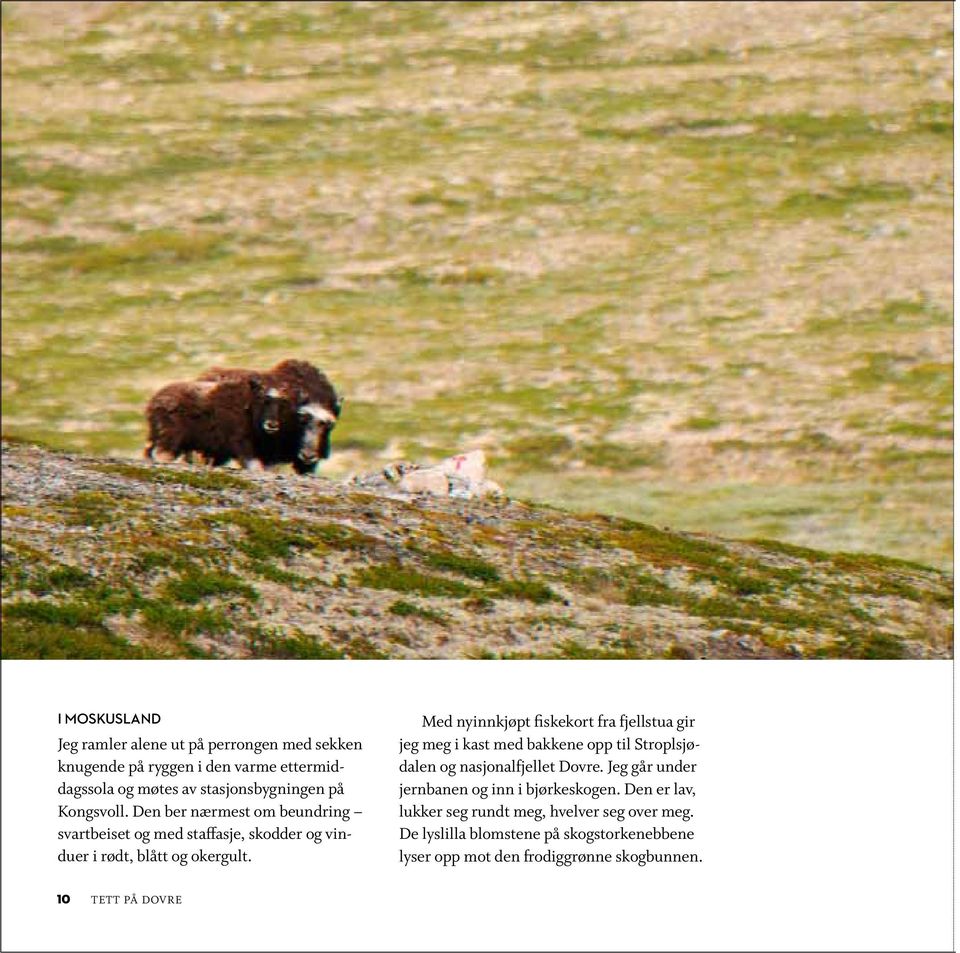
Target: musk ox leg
254,465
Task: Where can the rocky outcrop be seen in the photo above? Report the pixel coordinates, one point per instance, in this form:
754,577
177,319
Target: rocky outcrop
463,476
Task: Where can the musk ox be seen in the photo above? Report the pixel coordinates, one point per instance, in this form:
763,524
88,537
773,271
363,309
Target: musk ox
220,420
295,428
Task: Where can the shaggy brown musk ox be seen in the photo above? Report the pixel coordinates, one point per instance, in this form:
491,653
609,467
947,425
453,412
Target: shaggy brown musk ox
306,411
220,420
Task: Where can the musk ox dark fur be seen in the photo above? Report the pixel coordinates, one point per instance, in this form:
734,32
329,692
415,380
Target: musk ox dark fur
302,411
219,420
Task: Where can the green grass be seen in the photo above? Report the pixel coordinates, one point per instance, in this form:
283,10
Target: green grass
148,560
406,609
25,638
76,627
273,645
64,614
530,590
640,268
282,577
93,508
402,579
469,566
264,538
613,456
180,622
265,643
213,480
61,579
340,536
167,248
364,648
838,201
857,515
702,423
872,646
195,585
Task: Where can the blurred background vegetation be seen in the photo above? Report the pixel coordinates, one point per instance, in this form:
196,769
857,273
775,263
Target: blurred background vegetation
685,262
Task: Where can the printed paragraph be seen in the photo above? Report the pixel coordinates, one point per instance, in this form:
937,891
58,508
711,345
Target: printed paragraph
549,789
200,801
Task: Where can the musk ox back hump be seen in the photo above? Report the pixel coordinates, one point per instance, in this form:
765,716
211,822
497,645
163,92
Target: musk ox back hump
313,385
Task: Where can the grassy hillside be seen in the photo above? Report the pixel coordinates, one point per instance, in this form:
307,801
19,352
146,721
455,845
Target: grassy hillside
104,558
687,263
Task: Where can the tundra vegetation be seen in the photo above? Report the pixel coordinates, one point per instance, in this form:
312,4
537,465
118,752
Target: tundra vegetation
682,264
181,564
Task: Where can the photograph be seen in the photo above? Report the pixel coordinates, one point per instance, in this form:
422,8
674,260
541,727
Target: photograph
471,330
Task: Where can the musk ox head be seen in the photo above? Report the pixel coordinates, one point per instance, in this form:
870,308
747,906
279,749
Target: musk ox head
270,411
268,404
315,424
